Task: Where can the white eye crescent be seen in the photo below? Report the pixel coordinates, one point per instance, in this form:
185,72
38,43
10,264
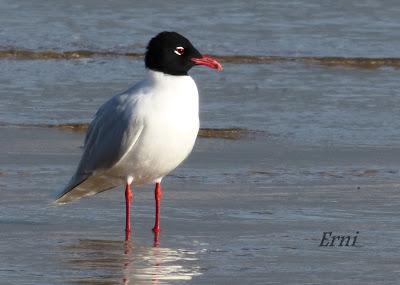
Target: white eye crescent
179,50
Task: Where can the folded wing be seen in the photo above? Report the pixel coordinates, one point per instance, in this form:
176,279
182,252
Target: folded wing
113,132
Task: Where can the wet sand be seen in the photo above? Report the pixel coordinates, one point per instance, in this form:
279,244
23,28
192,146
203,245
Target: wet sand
238,229
359,62
222,133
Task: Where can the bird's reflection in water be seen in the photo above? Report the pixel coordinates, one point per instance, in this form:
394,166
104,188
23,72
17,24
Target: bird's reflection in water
100,262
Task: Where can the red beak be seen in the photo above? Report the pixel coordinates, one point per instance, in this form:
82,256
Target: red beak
208,61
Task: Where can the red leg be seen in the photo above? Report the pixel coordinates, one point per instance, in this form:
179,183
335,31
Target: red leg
128,199
157,196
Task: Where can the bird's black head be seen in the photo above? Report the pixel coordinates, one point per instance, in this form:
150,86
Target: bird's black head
172,53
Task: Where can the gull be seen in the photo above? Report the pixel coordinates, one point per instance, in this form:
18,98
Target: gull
140,135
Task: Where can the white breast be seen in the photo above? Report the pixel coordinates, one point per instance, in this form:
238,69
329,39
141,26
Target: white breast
170,113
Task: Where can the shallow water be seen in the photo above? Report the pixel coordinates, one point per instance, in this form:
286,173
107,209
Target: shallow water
341,28
322,154
221,222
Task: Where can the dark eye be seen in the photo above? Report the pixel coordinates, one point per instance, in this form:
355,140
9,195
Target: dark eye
179,50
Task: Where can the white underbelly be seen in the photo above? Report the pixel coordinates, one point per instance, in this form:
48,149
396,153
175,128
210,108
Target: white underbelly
161,147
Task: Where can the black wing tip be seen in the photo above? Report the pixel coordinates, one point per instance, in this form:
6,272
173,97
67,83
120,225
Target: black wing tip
62,198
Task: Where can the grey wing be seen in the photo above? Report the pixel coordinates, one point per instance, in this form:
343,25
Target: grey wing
114,130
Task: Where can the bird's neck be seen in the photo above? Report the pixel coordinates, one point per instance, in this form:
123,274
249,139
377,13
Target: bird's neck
173,86
168,80
161,76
